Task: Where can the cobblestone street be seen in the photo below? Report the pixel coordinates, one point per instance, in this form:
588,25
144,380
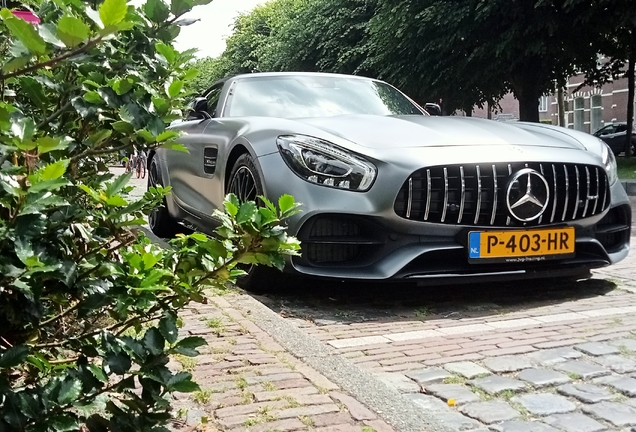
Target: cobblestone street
537,356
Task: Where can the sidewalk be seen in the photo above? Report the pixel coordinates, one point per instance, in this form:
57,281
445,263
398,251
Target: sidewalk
249,382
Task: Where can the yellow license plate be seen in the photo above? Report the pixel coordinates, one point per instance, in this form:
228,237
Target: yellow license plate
521,245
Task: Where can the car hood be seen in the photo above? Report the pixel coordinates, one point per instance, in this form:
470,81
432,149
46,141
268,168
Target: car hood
380,132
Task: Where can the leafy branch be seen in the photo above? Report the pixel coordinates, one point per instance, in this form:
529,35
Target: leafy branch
55,60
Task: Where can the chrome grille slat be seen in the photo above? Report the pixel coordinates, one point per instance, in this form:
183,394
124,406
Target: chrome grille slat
587,196
409,203
509,174
605,193
428,193
567,192
445,207
478,204
494,195
472,194
463,195
542,173
577,198
555,196
598,192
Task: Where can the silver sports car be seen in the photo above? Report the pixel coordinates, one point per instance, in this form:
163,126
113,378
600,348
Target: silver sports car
391,193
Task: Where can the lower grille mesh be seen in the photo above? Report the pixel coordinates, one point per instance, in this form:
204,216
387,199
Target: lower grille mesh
475,195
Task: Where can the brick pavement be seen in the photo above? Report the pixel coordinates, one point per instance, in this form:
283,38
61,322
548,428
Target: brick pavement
567,365
249,383
554,366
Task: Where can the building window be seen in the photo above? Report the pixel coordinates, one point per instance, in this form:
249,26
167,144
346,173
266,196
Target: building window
579,113
543,104
596,113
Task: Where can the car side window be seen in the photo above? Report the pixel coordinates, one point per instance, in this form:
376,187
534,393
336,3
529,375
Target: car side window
621,128
606,130
213,100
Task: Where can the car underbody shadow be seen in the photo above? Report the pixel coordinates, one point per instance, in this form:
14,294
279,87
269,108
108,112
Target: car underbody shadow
321,301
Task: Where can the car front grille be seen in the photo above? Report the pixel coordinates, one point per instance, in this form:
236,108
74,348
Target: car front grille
475,194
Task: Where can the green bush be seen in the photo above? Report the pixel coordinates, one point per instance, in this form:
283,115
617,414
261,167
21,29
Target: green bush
88,305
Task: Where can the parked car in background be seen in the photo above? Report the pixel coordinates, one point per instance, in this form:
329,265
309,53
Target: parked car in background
614,135
390,193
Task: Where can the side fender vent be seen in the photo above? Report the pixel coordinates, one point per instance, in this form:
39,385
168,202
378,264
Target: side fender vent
209,159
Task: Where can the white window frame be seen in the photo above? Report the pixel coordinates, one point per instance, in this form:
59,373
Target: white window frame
579,113
596,112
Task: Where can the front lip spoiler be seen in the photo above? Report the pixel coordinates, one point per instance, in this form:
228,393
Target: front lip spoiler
582,272
467,275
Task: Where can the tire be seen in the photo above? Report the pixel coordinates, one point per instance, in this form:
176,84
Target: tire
245,182
159,220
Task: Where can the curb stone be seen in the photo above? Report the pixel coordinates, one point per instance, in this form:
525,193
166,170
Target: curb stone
403,414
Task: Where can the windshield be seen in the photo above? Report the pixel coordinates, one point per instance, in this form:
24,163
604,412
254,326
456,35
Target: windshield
301,96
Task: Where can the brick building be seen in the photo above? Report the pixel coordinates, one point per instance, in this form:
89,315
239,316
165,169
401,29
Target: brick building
586,109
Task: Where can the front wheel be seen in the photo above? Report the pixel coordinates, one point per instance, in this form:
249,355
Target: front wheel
245,182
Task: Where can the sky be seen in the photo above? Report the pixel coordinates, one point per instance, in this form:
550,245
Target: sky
208,35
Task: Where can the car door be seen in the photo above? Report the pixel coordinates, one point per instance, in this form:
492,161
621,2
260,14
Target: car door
606,133
618,137
192,174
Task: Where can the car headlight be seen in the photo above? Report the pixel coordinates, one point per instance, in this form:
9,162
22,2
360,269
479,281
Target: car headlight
610,164
321,162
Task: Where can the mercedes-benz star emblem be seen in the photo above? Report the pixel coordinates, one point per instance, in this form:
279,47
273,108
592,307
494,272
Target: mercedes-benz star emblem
527,195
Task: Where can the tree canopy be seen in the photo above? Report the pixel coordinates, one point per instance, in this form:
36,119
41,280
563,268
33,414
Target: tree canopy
460,52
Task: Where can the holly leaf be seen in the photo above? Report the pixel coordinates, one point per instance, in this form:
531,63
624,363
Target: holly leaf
156,10
13,356
53,171
182,382
24,32
112,12
34,91
72,31
174,88
69,391
48,144
179,7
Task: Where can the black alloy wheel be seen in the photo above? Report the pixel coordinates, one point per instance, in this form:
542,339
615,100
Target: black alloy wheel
246,184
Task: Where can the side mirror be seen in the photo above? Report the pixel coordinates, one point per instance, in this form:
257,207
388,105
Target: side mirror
433,109
199,109
200,105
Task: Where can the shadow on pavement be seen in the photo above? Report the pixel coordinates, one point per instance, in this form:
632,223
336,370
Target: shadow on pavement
327,302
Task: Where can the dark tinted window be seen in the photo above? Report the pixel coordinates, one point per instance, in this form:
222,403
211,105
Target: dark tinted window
621,128
213,100
315,96
606,130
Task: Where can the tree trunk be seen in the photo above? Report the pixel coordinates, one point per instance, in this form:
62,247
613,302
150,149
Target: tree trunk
527,91
489,115
529,107
630,102
561,105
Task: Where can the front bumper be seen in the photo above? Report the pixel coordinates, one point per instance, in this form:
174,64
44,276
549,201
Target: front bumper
359,247
358,236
